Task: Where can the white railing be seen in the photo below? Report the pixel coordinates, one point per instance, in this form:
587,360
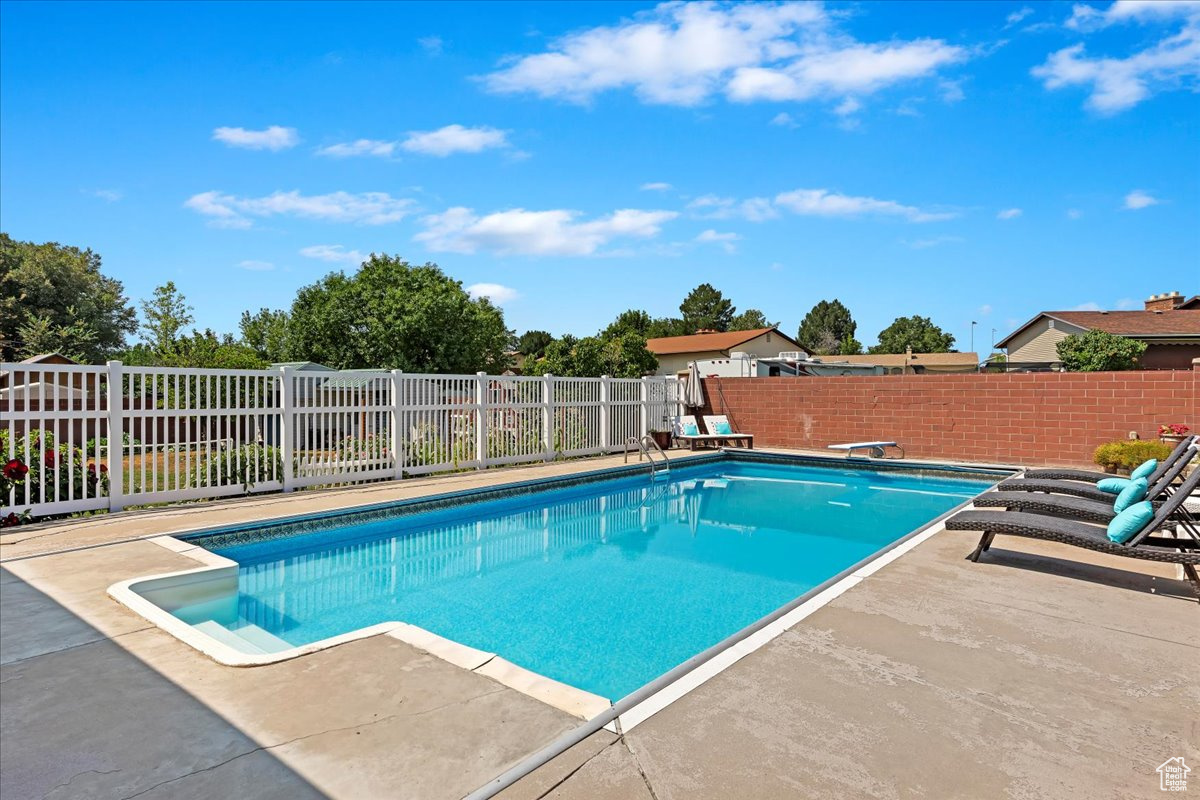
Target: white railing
189,434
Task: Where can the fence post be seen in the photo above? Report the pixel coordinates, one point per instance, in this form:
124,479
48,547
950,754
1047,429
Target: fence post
548,416
481,432
116,437
287,431
644,407
397,417
605,434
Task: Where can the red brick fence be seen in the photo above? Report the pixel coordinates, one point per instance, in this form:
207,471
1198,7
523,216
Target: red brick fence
1035,418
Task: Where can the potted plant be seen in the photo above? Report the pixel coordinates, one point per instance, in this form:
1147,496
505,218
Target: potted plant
1126,455
662,438
1172,434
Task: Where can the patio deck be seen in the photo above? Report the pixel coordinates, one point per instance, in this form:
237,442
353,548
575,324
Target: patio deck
1042,671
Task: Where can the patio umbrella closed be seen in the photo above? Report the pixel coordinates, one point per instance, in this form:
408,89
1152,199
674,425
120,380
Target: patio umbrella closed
693,392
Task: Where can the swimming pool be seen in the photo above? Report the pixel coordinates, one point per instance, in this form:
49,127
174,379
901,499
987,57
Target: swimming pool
602,585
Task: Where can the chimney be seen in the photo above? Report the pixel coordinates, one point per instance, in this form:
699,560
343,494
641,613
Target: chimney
1167,301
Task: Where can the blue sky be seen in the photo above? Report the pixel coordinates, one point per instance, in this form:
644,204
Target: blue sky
963,161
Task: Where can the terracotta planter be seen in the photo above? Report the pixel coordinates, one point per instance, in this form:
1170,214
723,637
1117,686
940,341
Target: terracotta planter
661,438
1172,438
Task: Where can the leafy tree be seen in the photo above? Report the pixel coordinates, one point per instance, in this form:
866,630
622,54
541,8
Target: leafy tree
1099,351
668,326
631,321
827,327
750,320
850,347
621,356
916,332
39,335
391,315
705,307
50,289
164,316
211,351
532,344
266,333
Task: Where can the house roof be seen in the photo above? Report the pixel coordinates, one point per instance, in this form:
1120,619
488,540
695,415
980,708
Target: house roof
1134,324
915,359
303,365
49,358
708,342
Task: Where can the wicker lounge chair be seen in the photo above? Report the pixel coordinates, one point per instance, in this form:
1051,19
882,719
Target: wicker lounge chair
1159,480
1144,545
1090,476
1084,508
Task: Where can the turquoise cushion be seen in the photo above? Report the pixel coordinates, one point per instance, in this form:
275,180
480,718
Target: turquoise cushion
1133,493
690,429
1145,470
723,429
1130,522
1113,485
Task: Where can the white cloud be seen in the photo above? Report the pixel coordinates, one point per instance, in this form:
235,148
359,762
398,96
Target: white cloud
952,91
684,53
1086,17
711,206
359,147
257,266
332,252
1088,306
847,107
1139,199
498,294
1115,83
925,244
107,195
726,240
433,45
517,231
1074,213
656,187
985,310
367,208
1009,213
1017,16
1128,304
784,120
454,139
272,138
824,203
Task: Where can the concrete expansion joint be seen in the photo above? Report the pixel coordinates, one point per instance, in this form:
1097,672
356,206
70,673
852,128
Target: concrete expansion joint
71,779
105,638
641,771
260,749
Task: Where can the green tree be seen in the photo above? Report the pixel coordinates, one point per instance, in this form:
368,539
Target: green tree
916,332
1099,351
621,356
532,344
50,289
266,333
751,320
850,347
391,315
631,321
164,316
705,307
668,326
208,350
828,328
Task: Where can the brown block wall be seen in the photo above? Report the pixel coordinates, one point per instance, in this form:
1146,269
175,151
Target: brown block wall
1026,419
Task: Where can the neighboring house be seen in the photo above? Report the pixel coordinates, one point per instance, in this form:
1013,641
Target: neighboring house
911,363
26,383
1169,325
676,352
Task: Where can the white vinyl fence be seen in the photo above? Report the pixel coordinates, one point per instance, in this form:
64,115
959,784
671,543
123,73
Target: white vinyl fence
113,436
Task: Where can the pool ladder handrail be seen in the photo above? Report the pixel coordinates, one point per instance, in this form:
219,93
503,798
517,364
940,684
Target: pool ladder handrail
648,447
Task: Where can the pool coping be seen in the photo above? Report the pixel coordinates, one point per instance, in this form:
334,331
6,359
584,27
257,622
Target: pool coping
572,700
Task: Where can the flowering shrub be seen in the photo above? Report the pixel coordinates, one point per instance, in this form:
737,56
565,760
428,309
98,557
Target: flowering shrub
247,465
12,474
1128,454
1173,430
48,472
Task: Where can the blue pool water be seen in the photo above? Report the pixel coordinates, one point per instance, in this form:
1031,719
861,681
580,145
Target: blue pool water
603,586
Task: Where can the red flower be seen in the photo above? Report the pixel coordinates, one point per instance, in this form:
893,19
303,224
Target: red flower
48,458
11,521
15,471
104,468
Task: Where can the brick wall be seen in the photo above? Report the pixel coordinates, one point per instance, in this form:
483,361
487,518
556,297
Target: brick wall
1028,419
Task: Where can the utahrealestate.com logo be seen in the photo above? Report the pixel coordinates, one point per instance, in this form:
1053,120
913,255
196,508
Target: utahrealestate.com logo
1173,775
